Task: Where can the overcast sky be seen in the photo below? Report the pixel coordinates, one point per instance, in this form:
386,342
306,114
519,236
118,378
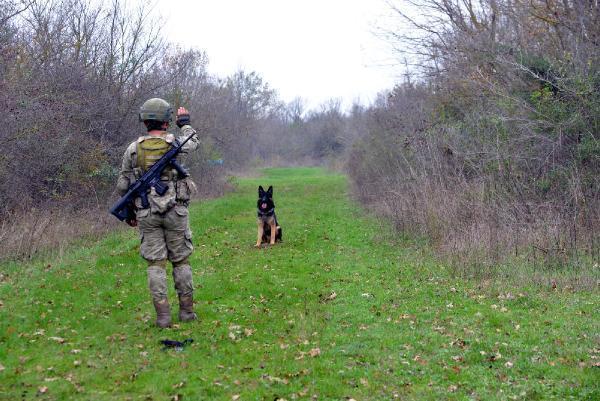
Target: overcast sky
314,49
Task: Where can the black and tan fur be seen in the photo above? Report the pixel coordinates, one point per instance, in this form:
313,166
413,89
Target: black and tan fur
269,230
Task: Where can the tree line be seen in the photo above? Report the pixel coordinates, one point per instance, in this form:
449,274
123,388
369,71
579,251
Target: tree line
73,75
490,147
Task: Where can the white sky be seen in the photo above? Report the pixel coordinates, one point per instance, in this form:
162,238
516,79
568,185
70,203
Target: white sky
314,49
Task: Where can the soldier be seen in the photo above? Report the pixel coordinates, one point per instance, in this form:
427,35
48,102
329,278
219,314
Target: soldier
164,226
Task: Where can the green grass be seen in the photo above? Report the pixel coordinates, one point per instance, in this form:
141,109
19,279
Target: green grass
341,309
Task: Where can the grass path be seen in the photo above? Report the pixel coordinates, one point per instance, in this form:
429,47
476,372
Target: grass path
341,310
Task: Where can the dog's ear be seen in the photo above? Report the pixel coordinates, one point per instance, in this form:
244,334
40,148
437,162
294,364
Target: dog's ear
270,190
261,190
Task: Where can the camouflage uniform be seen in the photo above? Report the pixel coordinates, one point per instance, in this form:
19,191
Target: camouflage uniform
164,226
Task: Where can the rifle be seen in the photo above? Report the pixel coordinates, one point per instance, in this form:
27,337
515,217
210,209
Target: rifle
124,208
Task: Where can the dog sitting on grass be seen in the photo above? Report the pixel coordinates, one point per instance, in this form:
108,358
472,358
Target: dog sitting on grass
269,230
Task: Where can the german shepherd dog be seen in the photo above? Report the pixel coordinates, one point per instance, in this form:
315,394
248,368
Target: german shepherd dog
269,230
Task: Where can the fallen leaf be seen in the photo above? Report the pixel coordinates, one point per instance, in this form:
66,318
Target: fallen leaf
59,340
2,367
452,388
43,390
235,397
509,364
314,352
331,296
248,332
275,379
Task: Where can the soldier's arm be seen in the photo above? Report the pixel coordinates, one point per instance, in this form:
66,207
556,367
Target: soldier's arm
183,122
126,175
193,143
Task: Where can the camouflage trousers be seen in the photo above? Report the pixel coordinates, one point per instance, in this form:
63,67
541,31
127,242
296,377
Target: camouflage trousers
166,236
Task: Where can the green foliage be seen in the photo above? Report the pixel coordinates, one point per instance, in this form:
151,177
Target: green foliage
588,151
105,172
341,309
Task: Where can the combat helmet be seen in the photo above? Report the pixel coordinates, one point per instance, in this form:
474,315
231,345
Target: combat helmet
156,109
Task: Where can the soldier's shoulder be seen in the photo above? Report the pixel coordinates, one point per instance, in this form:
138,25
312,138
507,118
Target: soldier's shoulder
187,129
131,148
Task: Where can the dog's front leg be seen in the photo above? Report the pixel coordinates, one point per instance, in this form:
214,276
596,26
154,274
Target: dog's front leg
260,234
273,232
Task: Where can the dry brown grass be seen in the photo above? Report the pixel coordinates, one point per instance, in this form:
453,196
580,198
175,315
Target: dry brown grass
27,233
491,240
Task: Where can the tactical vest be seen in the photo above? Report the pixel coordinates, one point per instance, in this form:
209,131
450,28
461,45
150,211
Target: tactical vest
149,151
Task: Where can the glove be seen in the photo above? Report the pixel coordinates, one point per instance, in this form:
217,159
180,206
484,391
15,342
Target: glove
183,117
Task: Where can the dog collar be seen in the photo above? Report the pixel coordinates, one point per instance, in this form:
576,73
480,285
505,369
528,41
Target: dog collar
267,213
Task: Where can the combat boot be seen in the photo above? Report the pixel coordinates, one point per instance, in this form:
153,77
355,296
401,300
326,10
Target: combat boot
163,313
186,309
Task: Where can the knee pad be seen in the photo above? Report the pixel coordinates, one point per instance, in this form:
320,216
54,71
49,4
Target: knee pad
157,281
182,276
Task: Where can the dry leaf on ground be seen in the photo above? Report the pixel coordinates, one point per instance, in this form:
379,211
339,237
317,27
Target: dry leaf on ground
314,352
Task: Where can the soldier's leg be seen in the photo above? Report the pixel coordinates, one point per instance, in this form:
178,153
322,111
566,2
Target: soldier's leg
179,244
182,276
157,282
153,248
